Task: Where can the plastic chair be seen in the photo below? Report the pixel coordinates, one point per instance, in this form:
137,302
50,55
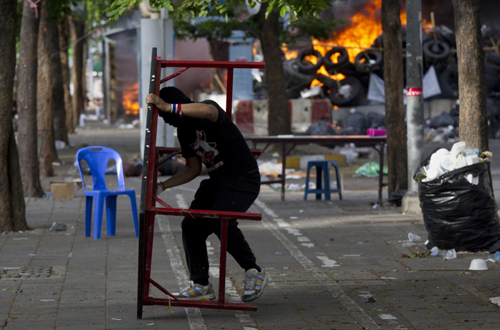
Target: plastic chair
322,166
97,159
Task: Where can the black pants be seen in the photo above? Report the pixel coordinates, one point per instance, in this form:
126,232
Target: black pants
233,193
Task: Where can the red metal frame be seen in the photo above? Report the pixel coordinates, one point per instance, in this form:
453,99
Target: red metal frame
148,210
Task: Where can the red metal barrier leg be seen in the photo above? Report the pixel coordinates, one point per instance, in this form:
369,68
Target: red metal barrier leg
223,258
141,268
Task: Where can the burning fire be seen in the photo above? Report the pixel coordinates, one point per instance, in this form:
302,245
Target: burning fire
130,100
365,26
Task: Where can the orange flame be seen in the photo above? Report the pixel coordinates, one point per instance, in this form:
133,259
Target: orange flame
130,99
365,26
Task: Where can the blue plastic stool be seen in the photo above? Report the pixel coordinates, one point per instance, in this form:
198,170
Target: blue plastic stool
322,166
97,159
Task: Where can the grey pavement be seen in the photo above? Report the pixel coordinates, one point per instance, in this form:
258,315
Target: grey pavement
325,261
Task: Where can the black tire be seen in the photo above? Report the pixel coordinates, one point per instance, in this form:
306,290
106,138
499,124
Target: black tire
342,61
491,75
434,52
305,66
332,90
448,81
493,58
295,81
369,60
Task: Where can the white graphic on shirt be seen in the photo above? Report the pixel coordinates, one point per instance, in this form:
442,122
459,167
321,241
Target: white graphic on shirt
206,150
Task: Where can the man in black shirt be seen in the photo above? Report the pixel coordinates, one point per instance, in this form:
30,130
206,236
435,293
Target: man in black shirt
207,135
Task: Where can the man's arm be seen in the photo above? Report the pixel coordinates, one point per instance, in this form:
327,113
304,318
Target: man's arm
187,173
194,110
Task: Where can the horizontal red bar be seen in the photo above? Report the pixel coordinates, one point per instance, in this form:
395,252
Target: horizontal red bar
199,304
212,64
208,214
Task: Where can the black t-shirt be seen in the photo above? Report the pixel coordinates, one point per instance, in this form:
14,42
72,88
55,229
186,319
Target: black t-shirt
220,145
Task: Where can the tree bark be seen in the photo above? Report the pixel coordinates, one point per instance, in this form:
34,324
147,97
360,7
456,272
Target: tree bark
26,103
395,113
44,93
59,113
471,80
63,46
12,207
76,31
278,115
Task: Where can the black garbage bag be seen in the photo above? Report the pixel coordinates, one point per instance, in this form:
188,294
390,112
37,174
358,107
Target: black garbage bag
457,214
443,120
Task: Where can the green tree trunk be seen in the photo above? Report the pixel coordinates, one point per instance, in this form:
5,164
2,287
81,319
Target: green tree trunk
44,93
278,115
12,206
26,103
471,80
395,113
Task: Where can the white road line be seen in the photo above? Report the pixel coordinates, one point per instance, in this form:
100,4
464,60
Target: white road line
354,310
195,319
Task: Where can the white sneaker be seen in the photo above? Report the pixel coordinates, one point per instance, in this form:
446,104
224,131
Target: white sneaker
197,292
255,282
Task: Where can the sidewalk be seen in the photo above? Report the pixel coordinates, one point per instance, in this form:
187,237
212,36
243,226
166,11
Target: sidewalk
325,261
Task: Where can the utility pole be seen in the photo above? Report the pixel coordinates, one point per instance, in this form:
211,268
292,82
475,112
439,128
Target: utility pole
414,95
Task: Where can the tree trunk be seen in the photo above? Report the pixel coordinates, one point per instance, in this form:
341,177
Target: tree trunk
77,30
12,207
63,46
26,103
471,81
44,92
59,113
278,115
397,158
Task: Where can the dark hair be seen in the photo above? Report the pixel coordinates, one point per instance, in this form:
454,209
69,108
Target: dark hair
172,95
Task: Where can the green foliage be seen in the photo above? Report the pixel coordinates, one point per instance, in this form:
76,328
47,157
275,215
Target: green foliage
201,8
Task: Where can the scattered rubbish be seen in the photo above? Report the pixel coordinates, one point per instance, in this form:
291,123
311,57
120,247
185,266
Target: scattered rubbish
495,300
114,319
368,298
387,317
414,238
450,254
58,226
387,278
149,324
271,169
478,264
60,144
497,256
370,170
416,255
349,154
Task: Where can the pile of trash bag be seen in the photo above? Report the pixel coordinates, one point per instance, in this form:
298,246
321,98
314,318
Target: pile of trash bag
456,199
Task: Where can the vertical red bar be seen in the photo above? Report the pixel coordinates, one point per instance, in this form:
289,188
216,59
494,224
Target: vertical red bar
223,257
151,183
229,93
